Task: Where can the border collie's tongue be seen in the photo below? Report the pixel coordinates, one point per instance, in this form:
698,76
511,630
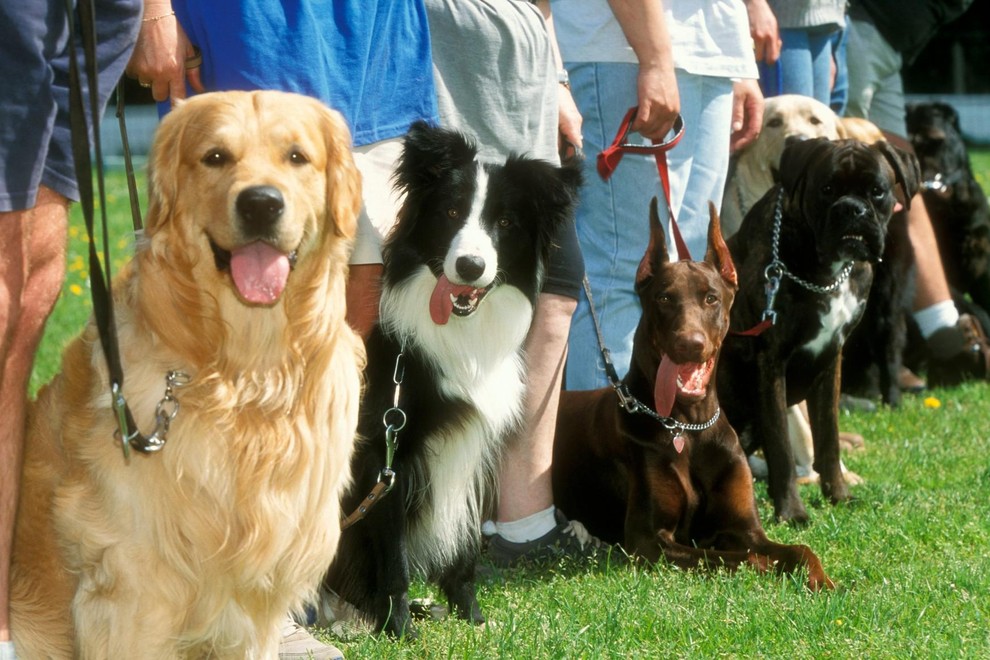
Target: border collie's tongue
442,300
665,389
259,272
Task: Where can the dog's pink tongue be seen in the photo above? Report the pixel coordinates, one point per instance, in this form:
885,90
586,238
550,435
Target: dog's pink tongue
665,389
441,302
259,272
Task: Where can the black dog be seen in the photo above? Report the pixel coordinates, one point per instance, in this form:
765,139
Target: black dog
462,272
804,256
955,201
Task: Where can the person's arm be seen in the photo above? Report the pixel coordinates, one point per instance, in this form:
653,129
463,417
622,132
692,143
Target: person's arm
763,29
160,55
747,113
645,28
569,122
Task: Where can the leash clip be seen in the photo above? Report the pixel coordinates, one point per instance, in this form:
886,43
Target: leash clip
772,273
626,400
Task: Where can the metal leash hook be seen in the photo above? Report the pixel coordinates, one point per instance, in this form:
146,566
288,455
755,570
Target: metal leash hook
772,273
165,412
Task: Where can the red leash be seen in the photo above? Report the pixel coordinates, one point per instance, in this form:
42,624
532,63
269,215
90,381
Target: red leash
609,159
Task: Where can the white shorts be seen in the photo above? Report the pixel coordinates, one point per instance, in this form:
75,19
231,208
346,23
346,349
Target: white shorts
376,163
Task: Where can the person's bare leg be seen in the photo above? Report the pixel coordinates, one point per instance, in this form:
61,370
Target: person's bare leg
32,268
364,290
524,484
931,286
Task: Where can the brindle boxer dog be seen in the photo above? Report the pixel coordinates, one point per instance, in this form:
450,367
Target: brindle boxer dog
673,483
814,236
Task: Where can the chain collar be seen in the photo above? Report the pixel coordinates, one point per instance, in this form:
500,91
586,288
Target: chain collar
776,270
165,412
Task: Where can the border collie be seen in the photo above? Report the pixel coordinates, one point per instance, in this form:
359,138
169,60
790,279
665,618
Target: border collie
462,271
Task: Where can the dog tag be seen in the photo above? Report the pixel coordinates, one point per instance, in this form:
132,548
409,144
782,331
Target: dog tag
678,441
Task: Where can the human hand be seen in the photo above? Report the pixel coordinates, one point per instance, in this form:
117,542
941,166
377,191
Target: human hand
162,54
569,140
747,113
659,102
763,29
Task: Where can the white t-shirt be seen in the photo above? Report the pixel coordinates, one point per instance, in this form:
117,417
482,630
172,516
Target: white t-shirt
708,37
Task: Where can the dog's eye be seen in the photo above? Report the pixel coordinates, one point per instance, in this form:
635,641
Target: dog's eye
504,223
827,190
663,298
297,157
878,192
815,121
775,122
711,299
216,158
453,214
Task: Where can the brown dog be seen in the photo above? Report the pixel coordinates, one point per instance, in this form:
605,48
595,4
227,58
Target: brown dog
676,483
202,549
805,255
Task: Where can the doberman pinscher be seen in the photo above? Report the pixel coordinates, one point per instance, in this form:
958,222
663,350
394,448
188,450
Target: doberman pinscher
670,481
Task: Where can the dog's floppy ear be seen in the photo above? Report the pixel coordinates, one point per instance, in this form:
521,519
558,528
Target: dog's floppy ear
950,114
717,253
343,179
656,251
907,171
163,169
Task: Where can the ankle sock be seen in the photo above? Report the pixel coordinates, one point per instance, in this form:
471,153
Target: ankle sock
940,315
7,650
528,528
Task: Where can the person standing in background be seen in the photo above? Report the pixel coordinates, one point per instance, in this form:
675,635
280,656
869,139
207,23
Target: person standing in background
37,183
692,57
884,35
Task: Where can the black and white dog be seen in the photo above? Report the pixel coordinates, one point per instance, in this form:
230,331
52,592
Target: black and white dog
462,271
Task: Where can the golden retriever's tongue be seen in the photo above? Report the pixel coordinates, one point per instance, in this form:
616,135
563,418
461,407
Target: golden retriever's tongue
441,302
666,387
259,271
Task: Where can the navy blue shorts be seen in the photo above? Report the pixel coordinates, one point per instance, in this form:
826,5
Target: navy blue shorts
35,137
565,271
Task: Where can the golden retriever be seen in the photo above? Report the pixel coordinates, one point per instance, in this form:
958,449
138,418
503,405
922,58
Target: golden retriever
202,549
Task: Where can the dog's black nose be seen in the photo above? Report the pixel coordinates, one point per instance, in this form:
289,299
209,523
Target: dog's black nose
470,267
260,207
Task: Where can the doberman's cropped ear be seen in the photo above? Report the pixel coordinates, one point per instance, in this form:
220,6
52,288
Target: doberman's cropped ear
656,250
718,252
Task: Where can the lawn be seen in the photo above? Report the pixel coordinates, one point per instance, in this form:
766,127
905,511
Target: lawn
910,555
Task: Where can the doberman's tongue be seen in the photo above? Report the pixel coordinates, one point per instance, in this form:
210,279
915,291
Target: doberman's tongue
665,389
442,300
259,272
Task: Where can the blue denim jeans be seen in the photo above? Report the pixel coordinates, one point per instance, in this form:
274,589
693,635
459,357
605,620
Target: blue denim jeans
805,64
613,215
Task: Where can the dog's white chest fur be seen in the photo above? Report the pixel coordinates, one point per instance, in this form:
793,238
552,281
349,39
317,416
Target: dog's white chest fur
478,360
844,309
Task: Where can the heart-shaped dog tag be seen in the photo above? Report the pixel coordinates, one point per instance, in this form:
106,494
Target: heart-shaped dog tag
678,443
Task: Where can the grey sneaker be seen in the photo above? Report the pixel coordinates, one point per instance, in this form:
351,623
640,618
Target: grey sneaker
298,644
568,539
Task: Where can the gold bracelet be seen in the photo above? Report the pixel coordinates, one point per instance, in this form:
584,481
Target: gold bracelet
154,19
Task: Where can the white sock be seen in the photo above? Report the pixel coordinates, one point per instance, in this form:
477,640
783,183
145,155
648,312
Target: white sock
528,528
934,317
7,650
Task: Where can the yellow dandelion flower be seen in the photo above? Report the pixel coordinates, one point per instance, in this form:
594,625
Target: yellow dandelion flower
76,289
932,402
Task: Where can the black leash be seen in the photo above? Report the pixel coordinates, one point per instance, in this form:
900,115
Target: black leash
100,281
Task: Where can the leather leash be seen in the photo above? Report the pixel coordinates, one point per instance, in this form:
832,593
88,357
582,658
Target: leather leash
100,280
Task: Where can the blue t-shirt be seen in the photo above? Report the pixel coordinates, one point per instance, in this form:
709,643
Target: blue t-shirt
368,59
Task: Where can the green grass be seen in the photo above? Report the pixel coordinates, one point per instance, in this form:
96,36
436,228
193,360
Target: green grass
910,556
